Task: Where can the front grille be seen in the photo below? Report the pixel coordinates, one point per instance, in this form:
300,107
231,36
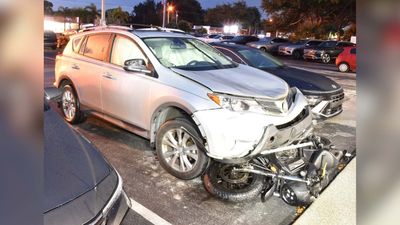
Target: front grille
278,106
297,119
337,97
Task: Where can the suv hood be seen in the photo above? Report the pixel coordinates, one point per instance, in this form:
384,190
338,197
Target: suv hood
240,81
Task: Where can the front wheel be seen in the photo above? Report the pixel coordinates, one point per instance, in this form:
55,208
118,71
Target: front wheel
343,67
70,106
296,55
178,149
326,58
222,182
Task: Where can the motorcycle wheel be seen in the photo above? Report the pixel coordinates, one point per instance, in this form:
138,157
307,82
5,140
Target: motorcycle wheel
221,182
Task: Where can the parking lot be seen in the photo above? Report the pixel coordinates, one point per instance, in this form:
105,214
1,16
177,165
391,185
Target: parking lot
154,191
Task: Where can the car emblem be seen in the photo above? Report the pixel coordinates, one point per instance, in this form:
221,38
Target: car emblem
334,86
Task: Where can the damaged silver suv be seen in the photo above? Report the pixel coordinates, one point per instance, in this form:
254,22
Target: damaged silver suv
186,97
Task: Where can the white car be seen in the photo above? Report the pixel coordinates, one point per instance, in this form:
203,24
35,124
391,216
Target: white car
190,101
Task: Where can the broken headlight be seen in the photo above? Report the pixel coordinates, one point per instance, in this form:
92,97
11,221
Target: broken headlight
313,99
237,104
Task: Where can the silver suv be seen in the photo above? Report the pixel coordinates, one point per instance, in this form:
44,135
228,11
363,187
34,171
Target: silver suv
186,97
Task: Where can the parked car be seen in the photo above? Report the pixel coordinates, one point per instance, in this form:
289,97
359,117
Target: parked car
80,186
183,95
242,39
326,51
323,94
226,37
296,49
50,39
347,60
270,45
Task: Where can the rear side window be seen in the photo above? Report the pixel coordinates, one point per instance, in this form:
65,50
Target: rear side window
97,46
353,51
125,49
76,43
314,43
230,54
345,44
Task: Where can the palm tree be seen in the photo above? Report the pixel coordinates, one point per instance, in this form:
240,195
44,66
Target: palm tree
117,16
93,12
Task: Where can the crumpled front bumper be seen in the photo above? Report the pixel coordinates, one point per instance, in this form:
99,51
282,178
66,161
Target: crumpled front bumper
233,135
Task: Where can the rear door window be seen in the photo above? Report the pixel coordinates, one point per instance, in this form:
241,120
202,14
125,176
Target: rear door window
353,51
76,44
97,46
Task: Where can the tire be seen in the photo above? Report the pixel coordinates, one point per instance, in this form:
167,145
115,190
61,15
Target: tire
326,58
70,99
344,67
263,49
172,150
296,55
217,187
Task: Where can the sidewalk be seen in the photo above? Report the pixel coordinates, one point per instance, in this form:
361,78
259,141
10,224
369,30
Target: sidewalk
337,204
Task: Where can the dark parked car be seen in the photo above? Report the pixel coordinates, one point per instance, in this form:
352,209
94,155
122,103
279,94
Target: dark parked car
296,49
270,45
80,187
323,94
242,39
50,39
326,51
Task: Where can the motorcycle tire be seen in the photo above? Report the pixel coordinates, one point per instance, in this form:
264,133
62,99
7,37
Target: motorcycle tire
232,192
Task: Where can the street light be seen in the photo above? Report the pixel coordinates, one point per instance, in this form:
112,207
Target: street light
169,10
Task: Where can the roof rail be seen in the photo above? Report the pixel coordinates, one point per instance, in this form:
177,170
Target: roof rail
107,27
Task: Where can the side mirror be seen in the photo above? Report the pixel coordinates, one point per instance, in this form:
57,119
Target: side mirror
136,65
272,42
52,94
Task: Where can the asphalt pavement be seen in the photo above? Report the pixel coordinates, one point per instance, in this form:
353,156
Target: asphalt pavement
163,199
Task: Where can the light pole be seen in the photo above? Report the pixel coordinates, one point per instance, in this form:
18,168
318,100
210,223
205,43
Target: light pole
176,17
103,14
164,9
170,9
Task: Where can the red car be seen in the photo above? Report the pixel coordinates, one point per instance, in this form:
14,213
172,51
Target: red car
346,60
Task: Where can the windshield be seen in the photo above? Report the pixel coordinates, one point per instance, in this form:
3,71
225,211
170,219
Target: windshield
259,59
187,54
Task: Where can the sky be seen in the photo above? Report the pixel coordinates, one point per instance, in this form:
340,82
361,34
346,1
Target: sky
128,4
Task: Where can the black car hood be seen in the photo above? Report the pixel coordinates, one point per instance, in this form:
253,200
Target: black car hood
72,166
307,82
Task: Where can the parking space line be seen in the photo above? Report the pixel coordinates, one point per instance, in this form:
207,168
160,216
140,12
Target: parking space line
147,214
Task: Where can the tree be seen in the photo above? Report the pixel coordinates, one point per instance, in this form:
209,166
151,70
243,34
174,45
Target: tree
312,18
48,7
185,26
93,12
147,12
189,10
117,16
238,12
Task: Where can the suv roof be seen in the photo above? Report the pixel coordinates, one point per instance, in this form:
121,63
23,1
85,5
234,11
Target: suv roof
141,32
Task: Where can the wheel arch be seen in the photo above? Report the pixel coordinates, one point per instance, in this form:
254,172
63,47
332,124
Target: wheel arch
170,111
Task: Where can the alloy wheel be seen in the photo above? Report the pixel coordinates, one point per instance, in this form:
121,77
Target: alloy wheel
179,150
326,58
343,67
68,105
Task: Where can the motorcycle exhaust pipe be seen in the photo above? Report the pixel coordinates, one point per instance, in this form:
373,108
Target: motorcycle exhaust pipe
273,175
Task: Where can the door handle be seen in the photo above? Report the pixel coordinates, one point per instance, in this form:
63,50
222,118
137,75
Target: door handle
109,76
75,67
